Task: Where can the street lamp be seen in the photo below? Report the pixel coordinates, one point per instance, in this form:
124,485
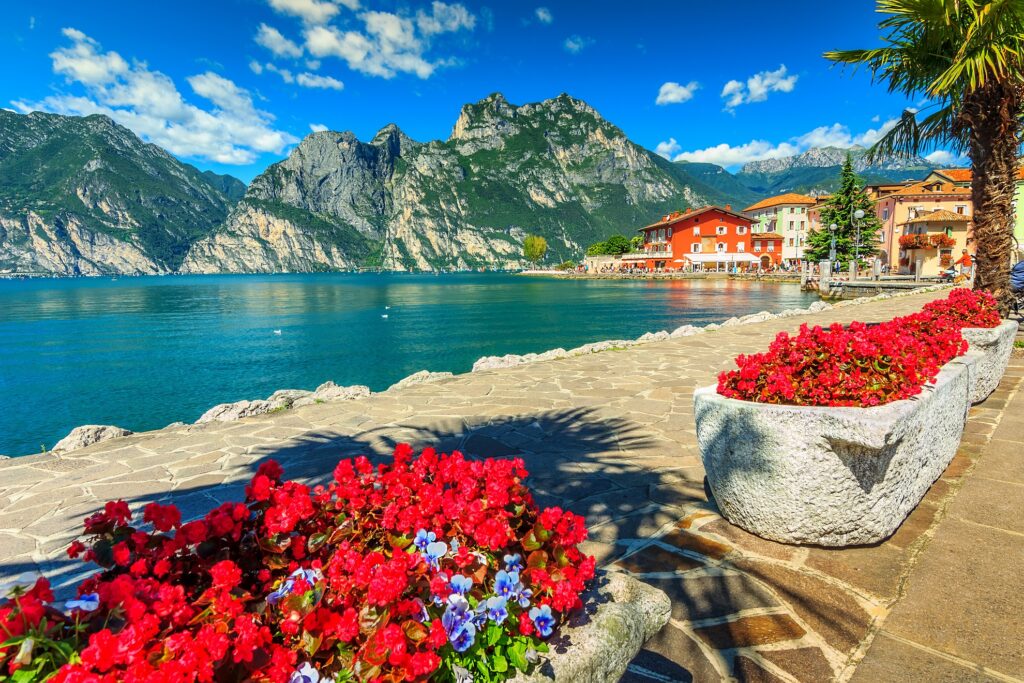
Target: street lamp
857,216
832,252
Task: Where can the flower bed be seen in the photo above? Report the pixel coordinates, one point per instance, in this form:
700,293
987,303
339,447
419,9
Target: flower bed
833,435
437,567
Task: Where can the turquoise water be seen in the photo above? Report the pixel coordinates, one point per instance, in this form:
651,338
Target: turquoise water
144,352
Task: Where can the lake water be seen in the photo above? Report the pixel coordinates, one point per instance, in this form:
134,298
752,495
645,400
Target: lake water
144,352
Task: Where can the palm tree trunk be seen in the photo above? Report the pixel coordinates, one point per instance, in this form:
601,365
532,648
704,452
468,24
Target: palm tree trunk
992,114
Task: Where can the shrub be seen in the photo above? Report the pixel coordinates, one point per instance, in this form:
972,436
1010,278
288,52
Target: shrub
966,308
861,365
837,366
435,567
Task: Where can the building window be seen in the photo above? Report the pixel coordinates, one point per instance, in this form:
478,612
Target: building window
757,246
791,225
771,246
949,232
740,247
961,209
790,241
721,230
742,230
801,225
721,247
695,248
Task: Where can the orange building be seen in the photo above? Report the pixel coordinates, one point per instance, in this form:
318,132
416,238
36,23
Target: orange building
708,238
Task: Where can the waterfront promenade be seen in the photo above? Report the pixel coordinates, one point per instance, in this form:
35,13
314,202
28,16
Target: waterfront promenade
611,436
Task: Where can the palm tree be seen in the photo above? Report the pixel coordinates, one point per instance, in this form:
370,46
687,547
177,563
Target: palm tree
966,57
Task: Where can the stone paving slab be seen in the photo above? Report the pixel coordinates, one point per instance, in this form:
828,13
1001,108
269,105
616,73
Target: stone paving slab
610,436
962,618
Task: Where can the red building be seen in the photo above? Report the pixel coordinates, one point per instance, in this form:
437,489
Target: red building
709,238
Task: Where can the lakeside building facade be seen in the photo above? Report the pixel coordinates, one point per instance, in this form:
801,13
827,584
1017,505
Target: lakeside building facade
935,240
708,238
787,216
897,205
961,177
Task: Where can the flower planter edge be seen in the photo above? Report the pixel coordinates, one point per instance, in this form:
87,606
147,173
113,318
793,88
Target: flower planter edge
808,474
620,614
996,344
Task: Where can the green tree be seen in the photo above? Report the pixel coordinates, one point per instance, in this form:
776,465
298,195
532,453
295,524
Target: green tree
534,248
614,245
637,243
839,210
965,57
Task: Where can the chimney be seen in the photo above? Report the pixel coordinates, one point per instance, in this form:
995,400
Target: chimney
728,207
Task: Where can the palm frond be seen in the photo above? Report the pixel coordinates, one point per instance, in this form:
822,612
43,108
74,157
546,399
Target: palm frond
911,136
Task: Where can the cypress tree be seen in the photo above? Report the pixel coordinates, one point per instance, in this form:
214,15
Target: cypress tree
839,209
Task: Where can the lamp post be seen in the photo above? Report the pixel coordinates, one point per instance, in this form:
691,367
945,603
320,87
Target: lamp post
832,251
857,216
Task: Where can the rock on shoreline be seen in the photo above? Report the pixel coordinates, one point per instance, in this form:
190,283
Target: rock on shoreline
86,435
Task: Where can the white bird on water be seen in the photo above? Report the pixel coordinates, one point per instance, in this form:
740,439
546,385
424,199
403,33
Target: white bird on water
384,315
387,308
277,331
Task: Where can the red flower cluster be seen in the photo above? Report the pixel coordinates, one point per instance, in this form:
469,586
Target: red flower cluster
966,308
332,579
859,365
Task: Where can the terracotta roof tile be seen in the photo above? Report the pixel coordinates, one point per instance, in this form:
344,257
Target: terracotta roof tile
942,216
922,189
788,198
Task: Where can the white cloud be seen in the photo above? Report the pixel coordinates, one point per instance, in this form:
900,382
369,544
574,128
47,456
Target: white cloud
674,93
312,64
286,75
31,23
544,15
308,80
836,135
445,18
232,131
941,156
390,43
757,87
318,127
272,39
577,43
305,79
669,148
728,155
312,11
876,118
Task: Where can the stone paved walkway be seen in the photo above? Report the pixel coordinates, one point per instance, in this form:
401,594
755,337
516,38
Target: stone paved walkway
612,437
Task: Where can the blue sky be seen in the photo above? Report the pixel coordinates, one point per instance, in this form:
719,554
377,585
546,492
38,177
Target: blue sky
232,85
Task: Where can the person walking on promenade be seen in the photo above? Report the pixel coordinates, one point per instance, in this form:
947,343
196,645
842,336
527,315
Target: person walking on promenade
966,264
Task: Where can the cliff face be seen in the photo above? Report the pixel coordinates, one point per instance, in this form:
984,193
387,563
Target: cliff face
555,168
86,196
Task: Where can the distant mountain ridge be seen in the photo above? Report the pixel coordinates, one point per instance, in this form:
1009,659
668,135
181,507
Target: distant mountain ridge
816,171
555,168
83,195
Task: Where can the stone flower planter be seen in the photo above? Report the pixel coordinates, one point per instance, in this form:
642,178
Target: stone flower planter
830,476
995,345
597,644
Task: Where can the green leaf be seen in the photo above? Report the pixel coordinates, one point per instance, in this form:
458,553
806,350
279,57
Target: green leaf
517,655
315,542
499,663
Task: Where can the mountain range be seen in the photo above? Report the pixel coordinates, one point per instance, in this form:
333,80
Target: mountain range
83,195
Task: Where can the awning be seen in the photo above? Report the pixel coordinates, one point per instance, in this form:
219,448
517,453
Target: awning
722,258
